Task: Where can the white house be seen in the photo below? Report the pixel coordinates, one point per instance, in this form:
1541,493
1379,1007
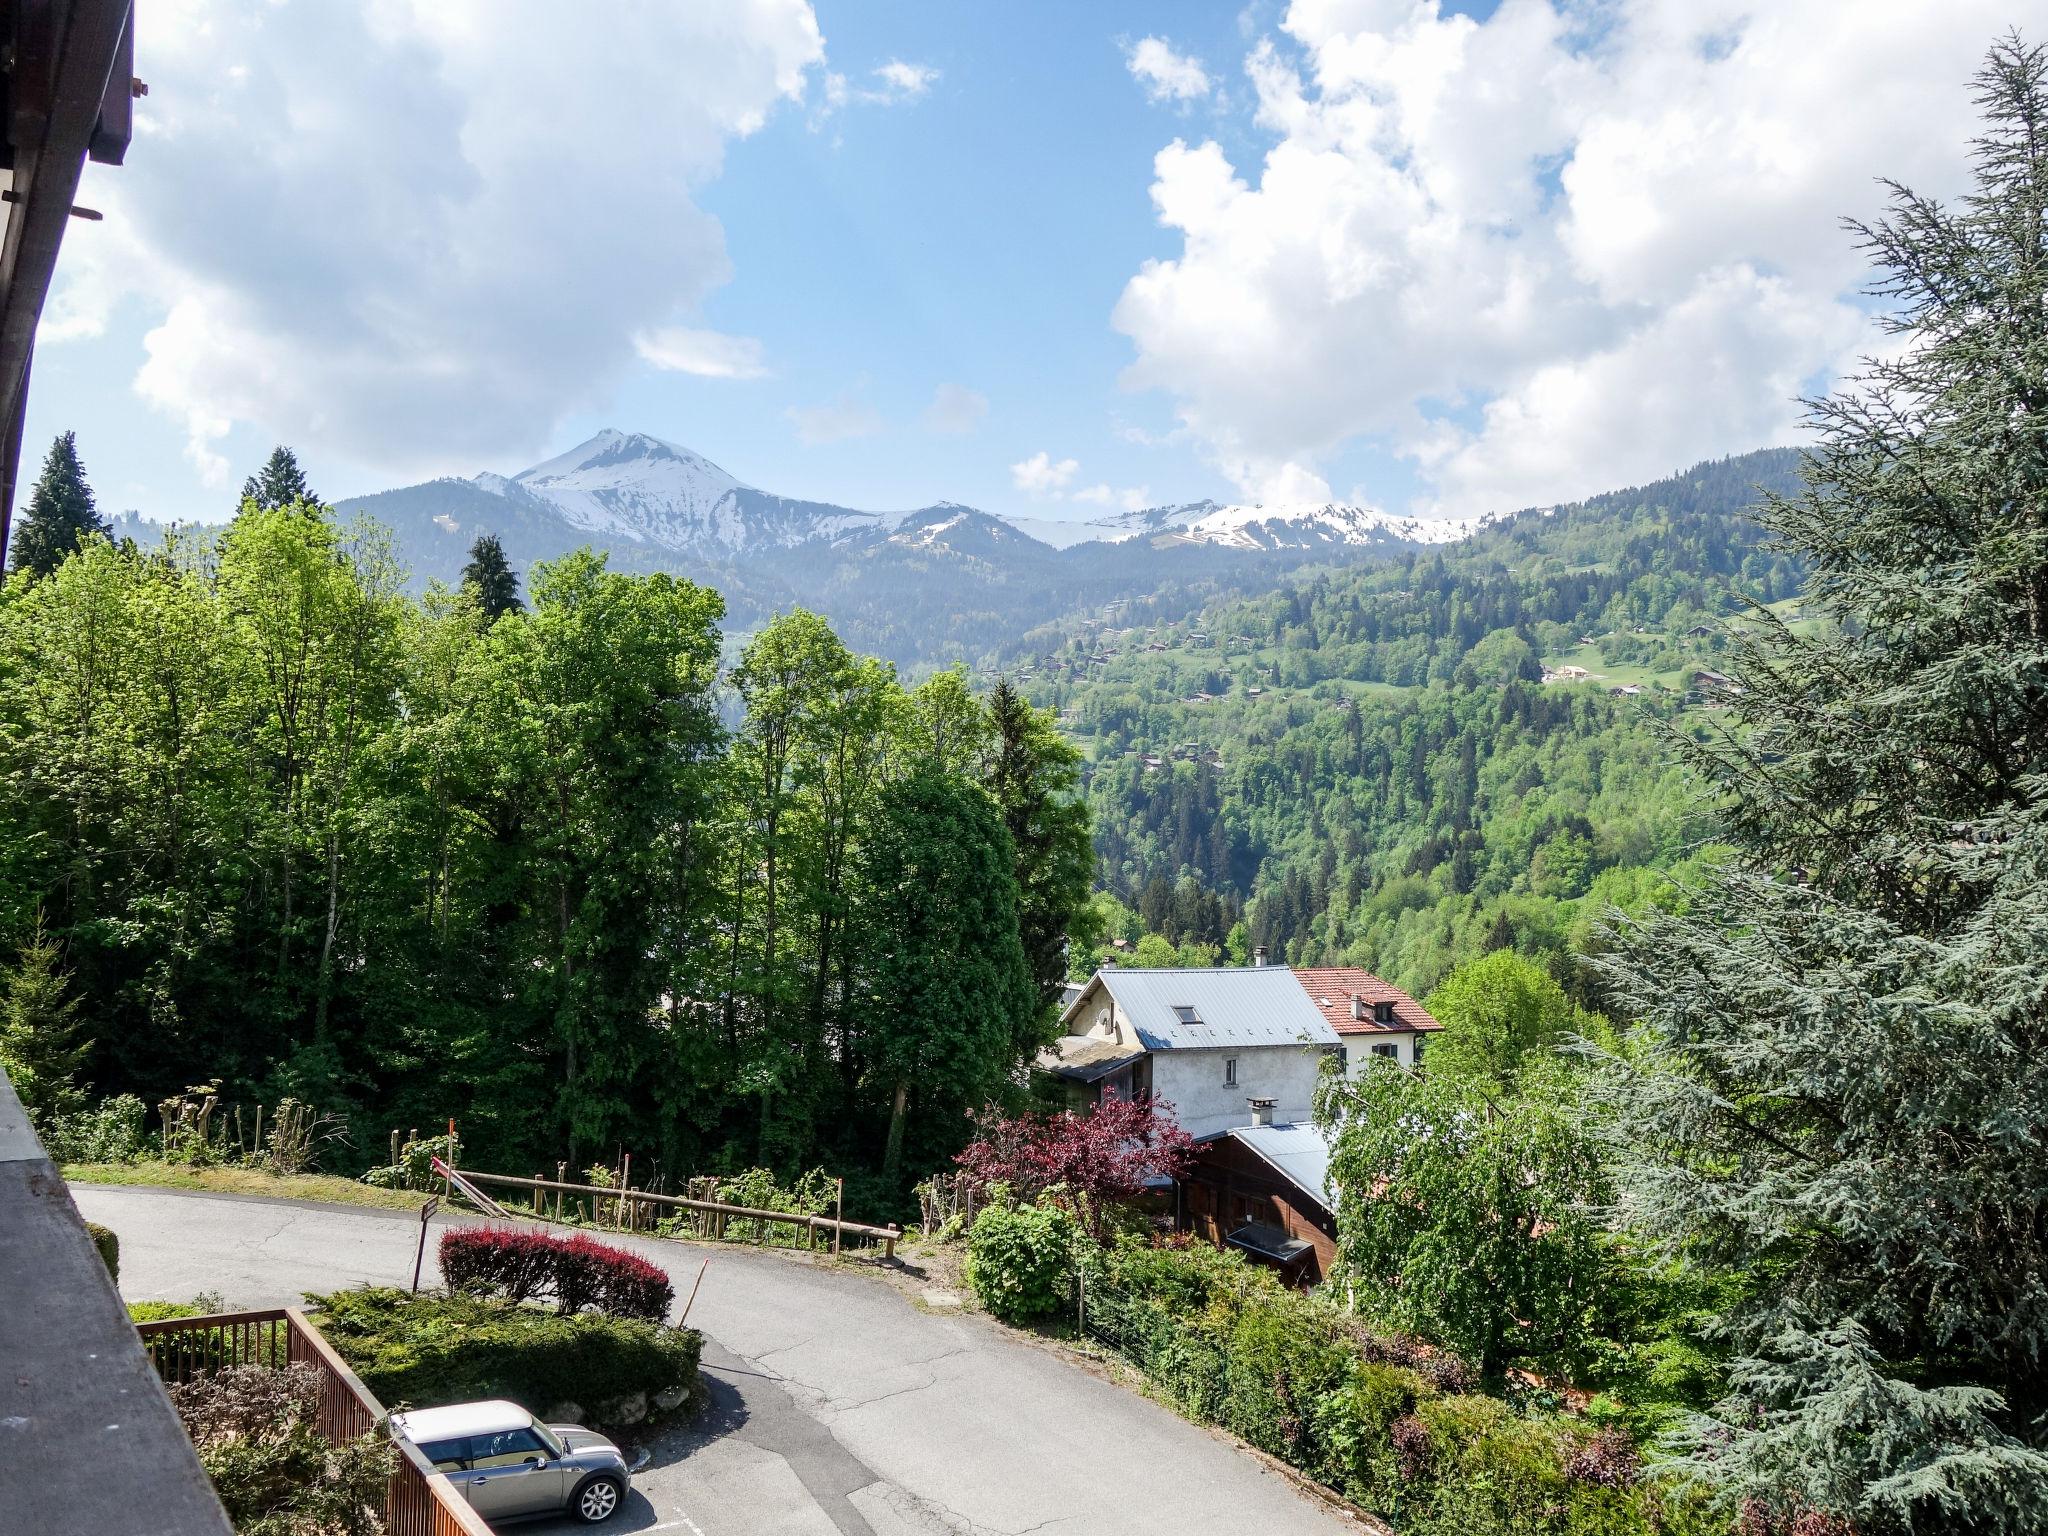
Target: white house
1372,1018
1205,1041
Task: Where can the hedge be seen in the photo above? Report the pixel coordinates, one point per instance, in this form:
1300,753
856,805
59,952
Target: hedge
1020,1260
519,1264
109,1246
421,1351
1389,1423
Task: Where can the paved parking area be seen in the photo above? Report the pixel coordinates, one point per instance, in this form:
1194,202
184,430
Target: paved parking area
838,1407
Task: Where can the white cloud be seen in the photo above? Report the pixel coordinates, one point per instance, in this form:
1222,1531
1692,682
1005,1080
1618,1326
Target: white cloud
955,410
1543,254
1132,498
1043,475
847,416
1165,74
355,233
707,354
905,82
899,82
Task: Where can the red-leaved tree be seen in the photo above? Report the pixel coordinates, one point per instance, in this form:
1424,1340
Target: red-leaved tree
1101,1159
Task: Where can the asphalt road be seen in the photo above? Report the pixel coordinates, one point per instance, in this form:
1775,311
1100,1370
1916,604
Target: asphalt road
838,1406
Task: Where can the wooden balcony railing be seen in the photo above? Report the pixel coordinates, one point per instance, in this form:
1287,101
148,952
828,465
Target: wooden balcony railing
421,1501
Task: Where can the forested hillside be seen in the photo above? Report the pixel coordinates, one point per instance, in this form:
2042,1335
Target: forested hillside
270,825
1368,765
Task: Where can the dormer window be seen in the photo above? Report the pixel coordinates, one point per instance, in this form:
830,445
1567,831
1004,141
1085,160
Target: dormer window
1383,1013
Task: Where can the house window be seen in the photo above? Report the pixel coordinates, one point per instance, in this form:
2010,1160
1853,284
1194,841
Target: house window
1186,1014
1230,1071
1383,1013
1389,1051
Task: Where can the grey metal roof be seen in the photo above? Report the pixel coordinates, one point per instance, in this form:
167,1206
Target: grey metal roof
1299,1153
1236,1006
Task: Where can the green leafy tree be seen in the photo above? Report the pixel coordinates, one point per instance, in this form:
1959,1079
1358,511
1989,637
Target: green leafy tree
1840,1084
1463,1215
41,1044
1503,1016
949,1005
280,483
490,578
61,511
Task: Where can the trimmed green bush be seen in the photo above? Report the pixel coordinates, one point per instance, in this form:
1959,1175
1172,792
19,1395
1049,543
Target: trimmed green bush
420,1351
1020,1261
1389,1423
109,1246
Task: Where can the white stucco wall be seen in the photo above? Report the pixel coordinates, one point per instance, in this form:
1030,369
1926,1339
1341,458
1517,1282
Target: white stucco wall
1358,1050
1193,1082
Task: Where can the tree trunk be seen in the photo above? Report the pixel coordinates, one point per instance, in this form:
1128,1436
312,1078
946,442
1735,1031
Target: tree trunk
892,1156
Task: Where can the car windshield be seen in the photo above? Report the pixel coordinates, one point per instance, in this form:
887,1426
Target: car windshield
549,1439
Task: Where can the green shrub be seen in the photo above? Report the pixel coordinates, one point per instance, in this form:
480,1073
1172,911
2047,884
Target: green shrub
419,1351
111,1131
1386,1421
108,1245
1020,1261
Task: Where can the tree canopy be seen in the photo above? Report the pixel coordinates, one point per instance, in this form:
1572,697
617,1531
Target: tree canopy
279,483
489,578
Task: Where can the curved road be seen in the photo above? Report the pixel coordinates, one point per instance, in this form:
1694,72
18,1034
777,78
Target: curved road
838,1406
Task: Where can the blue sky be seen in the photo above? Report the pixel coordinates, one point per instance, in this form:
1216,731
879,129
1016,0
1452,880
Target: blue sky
1439,259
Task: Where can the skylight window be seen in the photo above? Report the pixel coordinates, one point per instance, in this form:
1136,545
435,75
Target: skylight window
1186,1013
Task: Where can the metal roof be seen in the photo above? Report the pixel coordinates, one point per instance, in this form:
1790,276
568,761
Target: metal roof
1179,1010
488,1418
1298,1153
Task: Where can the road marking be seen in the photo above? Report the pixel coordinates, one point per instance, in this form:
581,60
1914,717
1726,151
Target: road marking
680,1522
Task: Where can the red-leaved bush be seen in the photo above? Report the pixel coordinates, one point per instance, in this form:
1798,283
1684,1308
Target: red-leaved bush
1102,1159
573,1272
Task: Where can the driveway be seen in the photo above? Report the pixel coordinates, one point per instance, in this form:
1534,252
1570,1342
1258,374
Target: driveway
838,1407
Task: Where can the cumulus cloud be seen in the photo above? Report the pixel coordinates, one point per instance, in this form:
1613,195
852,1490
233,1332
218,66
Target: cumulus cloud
1546,253
955,410
1165,74
846,416
1043,475
707,354
357,233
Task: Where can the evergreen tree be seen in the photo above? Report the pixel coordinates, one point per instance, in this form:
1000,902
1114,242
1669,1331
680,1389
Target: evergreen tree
1840,1084
40,1045
280,483
490,576
1034,773
61,511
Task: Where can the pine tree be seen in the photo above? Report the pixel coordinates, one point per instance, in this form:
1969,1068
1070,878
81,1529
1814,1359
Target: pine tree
1840,1084
490,576
280,483
61,511
40,1045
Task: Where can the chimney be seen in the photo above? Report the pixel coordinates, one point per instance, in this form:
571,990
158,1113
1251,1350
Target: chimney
1259,955
1357,1006
1262,1110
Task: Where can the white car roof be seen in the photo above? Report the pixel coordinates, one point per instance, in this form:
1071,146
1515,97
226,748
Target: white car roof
425,1424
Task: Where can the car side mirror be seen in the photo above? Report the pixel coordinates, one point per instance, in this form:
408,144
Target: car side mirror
538,1463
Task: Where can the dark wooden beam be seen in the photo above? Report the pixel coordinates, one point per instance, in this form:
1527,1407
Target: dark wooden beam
65,53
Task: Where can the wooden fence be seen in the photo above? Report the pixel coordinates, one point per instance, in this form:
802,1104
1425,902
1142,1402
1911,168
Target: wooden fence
813,1225
420,1502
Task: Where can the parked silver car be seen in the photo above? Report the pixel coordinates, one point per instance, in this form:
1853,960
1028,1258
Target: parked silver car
511,1466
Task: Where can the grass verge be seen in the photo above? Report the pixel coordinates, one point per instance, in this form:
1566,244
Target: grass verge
245,1181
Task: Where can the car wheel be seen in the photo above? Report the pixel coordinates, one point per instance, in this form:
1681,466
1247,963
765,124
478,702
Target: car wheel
597,1500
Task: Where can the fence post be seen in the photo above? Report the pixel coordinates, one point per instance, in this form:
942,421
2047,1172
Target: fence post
838,1213
561,1177
394,1146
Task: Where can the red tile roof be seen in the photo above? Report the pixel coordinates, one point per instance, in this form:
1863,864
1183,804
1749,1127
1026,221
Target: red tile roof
1331,989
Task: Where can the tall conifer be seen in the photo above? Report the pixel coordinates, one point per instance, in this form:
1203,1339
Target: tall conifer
281,483
490,576
1840,1084
61,511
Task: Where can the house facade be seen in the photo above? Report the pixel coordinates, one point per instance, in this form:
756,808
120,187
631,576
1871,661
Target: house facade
1264,1189
1204,1041
1372,1018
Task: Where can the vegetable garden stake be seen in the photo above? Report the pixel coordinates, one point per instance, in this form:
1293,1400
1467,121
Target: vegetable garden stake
693,1293
420,1259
